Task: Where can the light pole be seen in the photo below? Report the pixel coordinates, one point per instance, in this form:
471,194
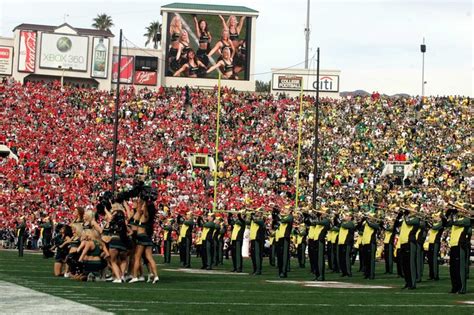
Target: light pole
423,50
316,135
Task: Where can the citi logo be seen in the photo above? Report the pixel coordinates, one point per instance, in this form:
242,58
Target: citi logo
325,83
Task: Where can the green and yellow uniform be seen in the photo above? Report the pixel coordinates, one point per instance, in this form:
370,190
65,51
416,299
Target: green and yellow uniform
345,244
283,244
460,245
369,247
257,239
407,239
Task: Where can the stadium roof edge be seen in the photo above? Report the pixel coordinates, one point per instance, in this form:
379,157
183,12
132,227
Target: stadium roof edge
196,7
52,28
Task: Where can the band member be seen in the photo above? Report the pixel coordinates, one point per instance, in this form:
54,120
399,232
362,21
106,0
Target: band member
271,240
333,237
185,239
207,241
257,240
47,236
388,240
301,245
167,240
409,226
434,245
221,229
20,233
460,245
345,244
420,254
369,245
283,242
310,221
322,227
237,238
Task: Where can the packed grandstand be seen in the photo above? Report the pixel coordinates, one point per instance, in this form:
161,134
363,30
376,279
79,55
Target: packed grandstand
62,137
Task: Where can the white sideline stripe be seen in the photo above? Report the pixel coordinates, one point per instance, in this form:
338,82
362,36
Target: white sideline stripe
207,272
128,309
16,299
409,305
467,302
331,284
129,287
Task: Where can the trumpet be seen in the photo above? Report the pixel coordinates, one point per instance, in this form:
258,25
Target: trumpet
461,209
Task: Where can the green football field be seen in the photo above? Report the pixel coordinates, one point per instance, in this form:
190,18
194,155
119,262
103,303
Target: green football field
182,292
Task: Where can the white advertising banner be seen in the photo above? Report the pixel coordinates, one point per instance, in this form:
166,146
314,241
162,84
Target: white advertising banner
61,51
27,52
292,82
6,60
100,57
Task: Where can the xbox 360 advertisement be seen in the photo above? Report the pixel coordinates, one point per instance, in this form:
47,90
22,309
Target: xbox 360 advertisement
64,51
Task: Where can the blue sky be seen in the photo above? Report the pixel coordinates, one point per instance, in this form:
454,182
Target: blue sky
374,43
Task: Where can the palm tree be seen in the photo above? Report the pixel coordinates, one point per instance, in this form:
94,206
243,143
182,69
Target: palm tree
153,34
102,22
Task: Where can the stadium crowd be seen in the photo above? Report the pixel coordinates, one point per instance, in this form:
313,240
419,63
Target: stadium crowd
63,139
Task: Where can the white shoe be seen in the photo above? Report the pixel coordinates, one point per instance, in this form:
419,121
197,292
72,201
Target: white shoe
141,279
156,279
133,280
117,281
66,275
91,277
109,279
150,278
128,278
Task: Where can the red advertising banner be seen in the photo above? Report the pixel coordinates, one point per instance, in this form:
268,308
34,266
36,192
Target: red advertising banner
126,69
27,51
6,60
145,77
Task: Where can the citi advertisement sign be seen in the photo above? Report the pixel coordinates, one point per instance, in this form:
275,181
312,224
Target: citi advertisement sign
288,82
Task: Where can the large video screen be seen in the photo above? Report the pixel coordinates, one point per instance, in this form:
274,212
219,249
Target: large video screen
201,46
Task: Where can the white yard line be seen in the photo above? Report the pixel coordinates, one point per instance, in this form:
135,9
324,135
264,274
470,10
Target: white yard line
16,299
409,305
207,272
330,284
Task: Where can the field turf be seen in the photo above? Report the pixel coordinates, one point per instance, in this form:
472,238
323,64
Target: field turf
185,293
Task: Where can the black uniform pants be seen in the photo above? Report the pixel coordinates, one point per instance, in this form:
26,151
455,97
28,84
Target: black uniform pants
369,263
312,254
167,251
345,263
185,252
283,255
319,271
408,260
457,269
21,244
256,252
301,252
236,251
432,255
206,254
388,255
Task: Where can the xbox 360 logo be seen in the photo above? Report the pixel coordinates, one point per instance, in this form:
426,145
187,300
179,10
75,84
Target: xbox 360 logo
64,44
